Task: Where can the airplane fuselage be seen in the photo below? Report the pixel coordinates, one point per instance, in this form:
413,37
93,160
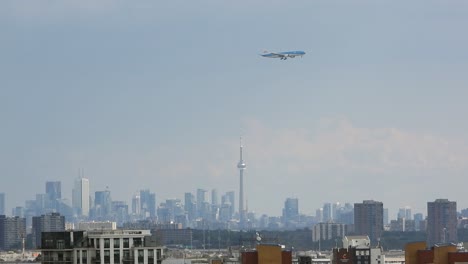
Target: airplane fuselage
284,54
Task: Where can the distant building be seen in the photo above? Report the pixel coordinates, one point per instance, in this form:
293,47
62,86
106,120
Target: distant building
12,232
96,247
441,221
54,190
418,217
46,223
327,231
174,236
148,204
368,219
80,197
402,225
291,209
405,213
448,253
88,226
357,250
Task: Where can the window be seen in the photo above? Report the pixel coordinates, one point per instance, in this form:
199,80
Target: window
107,256
126,243
106,243
137,242
60,244
116,243
116,256
141,256
126,254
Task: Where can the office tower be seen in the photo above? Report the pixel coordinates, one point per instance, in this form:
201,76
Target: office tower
327,231
385,216
368,219
190,206
148,203
214,197
46,223
319,215
335,208
54,190
241,166
120,211
102,204
201,198
418,218
2,203
405,213
441,222
203,207
12,232
231,198
80,197
345,214
136,205
291,209
327,212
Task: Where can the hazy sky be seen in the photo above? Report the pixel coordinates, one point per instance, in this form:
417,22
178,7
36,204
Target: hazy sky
154,94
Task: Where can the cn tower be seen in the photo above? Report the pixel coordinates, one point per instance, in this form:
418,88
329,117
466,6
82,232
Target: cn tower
241,166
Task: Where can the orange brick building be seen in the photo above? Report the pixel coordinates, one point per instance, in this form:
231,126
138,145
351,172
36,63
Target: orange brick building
417,253
267,254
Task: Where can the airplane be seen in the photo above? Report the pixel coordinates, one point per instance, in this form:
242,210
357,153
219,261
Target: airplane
283,55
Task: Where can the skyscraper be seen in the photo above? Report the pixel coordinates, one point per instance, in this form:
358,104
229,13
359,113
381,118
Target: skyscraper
12,231
80,197
291,209
136,205
46,223
327,212
102,204
148,203
441,222
368,219
54,190
241,166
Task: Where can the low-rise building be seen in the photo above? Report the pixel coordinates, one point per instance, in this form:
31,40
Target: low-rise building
100,247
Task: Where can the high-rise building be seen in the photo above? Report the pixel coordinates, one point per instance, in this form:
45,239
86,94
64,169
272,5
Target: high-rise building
327,231
368,219
190,206
148,203
80,197
241,166
102,204
46,223
441,222
418,218
54,190
214,197
12,232
291,209
405,213
2,203
385,216
327,213
136,205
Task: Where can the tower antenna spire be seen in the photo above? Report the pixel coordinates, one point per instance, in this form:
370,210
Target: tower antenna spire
241,166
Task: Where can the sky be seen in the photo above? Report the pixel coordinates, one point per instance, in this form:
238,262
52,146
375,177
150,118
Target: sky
155,94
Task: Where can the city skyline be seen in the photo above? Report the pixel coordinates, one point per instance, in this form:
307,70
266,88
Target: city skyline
153,95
